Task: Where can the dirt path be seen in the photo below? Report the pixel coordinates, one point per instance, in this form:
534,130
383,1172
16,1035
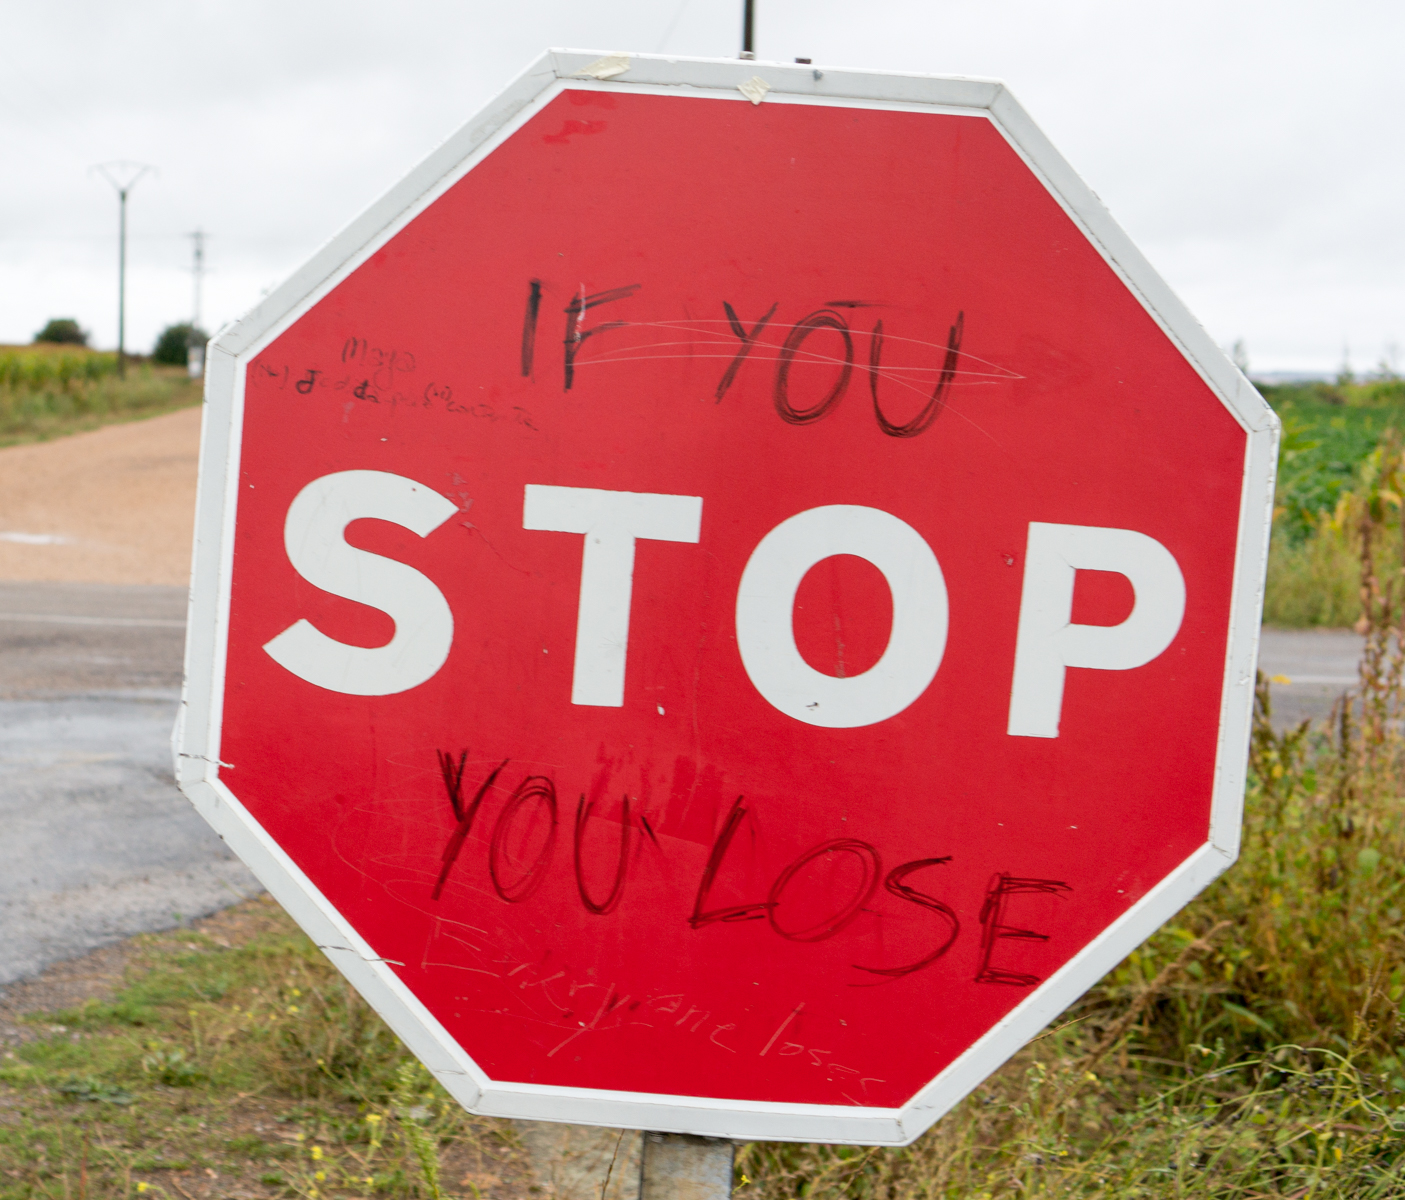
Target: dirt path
115,505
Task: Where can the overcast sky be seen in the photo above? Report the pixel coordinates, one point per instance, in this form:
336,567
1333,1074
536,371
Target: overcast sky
1253,149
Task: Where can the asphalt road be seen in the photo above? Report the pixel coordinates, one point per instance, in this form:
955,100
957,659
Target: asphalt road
1308,670
97,844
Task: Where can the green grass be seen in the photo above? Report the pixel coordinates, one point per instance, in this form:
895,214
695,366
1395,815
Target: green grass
249,1067
48,392
1312,581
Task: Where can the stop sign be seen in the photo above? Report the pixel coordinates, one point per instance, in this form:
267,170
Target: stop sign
728,598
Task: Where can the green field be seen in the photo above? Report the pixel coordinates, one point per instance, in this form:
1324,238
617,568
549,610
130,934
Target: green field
51,391
1330,433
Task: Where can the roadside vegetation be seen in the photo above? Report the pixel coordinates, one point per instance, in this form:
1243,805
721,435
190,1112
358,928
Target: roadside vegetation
1251,1049
51,389
1330,435
235,1062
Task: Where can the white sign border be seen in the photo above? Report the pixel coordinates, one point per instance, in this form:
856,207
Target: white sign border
196,739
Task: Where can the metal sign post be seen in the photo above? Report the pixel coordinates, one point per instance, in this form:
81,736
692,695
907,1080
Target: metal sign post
675,1166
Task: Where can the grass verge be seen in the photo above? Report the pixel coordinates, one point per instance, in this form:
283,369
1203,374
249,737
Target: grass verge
47,392
238,1066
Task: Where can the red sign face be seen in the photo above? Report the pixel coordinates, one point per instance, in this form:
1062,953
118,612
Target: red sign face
728,600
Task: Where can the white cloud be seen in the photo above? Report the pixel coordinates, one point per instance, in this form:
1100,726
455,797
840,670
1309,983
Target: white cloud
1252,149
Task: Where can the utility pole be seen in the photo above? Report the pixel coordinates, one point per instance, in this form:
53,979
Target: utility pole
123,176
195,350
198,270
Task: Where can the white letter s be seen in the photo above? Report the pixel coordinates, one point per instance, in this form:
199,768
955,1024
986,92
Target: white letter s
313,536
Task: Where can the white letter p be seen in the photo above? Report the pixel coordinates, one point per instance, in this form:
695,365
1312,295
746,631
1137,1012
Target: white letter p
1048,642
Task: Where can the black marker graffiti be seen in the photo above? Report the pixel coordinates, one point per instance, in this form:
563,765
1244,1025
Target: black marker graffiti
823,319
997,898
535,789
933,408
738,912
832,923
535,798
576,334
600,908
895,884
463,814
747,341
529,325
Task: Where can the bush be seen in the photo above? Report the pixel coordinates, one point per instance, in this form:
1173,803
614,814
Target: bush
175,340
64,331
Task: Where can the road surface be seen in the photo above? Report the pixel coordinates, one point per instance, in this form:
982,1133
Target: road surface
96,843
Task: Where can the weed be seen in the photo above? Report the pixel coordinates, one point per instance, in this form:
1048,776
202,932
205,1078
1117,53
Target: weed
95,1090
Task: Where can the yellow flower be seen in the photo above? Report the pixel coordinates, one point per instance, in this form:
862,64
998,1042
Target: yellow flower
143,1186
373,1119
316,1151
320,1176
292,1008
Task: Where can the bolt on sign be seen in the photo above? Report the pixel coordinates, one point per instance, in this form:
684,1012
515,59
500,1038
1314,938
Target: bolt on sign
728,598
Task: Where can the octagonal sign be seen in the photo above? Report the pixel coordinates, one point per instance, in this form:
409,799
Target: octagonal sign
728,598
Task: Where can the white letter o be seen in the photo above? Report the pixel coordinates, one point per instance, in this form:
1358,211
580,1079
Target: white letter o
766,603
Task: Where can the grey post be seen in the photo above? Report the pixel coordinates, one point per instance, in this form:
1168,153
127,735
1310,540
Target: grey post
679,1166
123,176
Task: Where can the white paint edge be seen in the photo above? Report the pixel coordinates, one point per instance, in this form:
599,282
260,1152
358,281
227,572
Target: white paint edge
197,734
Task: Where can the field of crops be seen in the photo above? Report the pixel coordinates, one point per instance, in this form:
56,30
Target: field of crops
49,391
1331,438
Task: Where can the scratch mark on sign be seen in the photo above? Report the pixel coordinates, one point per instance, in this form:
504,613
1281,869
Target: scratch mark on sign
794,1012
